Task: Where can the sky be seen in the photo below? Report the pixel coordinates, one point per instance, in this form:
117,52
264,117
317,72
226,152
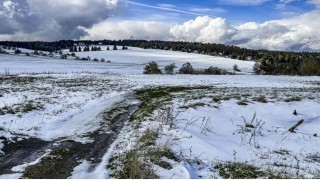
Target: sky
258,24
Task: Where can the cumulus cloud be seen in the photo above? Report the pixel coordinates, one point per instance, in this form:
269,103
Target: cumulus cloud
297,33
204,29
149,30
53,19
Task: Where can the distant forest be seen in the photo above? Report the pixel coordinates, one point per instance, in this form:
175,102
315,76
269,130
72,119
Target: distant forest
267,62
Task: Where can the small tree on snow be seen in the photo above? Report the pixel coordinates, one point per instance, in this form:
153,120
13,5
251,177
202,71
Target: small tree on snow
257,68
236,68
152,68
186,69
169,69
17,51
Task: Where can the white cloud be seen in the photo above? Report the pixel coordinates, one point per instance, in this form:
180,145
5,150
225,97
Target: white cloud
243,2
163,8
167,5
56,18
208,10
283,3
315,2
114,29
204,29
296,33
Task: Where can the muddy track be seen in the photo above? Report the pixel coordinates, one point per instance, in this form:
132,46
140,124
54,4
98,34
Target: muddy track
67,154
17,153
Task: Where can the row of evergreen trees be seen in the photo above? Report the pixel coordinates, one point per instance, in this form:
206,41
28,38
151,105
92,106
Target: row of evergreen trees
86,48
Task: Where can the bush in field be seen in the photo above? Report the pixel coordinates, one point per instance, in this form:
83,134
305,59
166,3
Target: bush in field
37,52
310,68
17,51
152,68
256,68
186,69
214,71
236,68
169,69
63,56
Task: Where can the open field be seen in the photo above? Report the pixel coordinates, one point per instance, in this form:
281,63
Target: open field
86,119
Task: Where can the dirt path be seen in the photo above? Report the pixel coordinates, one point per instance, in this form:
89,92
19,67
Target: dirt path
65,155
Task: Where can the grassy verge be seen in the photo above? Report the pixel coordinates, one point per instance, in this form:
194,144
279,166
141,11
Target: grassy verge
237,170
139,162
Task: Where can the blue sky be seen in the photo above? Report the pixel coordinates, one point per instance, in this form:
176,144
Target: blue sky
233,10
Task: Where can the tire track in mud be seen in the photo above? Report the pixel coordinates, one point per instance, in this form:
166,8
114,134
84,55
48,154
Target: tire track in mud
66,154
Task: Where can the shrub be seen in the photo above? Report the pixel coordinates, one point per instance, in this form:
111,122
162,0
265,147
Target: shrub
63,56
215,71
1,112
186,69
152,68
169,69
256,68
310,68
17,51
236,68
37,52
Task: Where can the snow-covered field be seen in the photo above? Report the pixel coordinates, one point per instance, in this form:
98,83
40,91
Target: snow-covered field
57,100
130,61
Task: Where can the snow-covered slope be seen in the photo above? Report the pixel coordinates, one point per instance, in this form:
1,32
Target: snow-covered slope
130,61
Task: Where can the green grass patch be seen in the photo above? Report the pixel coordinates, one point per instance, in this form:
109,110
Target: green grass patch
154,98
292,99
1,112
134,168
243,102
237,170
48,166
261,99
138,163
